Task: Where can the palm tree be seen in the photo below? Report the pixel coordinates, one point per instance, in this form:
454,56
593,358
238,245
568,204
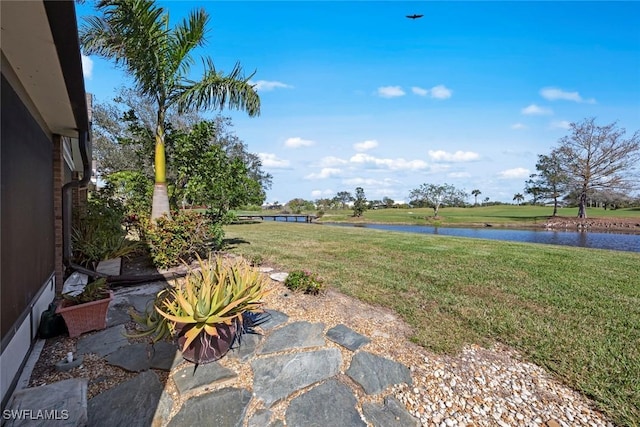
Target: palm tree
518,198
476,193
136,35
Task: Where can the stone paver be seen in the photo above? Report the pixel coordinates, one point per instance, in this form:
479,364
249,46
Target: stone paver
63,397
375,373
276,377
104,342
133,403
222,408
165,356
294,335
275,318
390,414
193,377
279,277
347,337
132,357
245,347
329,404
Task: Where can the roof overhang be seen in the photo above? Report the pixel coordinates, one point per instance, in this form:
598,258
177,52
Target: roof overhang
40,43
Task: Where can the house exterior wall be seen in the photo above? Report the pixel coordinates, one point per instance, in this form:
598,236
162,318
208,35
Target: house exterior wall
27,283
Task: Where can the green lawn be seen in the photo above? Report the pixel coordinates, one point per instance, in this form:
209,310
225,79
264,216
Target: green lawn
503,215
574,311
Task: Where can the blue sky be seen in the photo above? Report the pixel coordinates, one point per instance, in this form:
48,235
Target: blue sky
355,94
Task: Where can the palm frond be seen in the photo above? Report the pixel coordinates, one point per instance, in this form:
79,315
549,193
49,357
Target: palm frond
216,91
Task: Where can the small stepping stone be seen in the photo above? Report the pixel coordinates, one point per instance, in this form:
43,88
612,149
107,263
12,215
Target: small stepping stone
276,377
132,403
194,377
329,404
294,335
132,358
391,414
347,337
265,269
69,395
279,277
165,356
104,342
226,407
375,373
274,318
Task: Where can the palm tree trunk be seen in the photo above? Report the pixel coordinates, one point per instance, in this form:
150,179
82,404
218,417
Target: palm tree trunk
160,203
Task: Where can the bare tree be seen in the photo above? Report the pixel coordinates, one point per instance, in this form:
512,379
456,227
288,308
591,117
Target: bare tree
596,158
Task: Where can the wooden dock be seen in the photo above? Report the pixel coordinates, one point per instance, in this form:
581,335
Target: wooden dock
283,217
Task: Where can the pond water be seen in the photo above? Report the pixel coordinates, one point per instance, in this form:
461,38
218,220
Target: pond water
586,239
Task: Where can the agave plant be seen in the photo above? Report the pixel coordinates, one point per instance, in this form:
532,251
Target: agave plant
217,293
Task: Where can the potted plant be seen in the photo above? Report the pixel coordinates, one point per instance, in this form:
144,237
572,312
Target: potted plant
86,311
204,312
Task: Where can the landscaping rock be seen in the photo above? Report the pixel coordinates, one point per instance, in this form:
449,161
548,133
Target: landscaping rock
375,373
276,377
294,335
391,414
193,377
132,403
347,337
104,342
329,404
279,277
222,408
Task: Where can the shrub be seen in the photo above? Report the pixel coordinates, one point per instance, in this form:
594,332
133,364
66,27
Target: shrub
184,237
304,281
99,234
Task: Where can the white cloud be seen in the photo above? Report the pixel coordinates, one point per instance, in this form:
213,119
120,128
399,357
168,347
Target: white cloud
270,160
369,182
393,164
518,126
365,145
554,94
458,156
515,173
419,91
441,92
534,110
87,67
265,85
324,173
560,124
320,193
459,175
297,142
390,91
330,161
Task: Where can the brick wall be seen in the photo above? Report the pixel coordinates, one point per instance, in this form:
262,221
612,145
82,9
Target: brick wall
58,182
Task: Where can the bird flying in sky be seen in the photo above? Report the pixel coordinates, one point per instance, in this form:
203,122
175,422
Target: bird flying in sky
414,16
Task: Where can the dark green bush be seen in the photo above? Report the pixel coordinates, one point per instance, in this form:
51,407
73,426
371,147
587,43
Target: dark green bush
187,234
304,281
98,233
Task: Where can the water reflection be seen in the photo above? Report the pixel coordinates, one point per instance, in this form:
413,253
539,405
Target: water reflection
583,239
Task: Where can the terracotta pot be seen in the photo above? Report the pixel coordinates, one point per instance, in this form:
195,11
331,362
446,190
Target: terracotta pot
81,318
207,348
